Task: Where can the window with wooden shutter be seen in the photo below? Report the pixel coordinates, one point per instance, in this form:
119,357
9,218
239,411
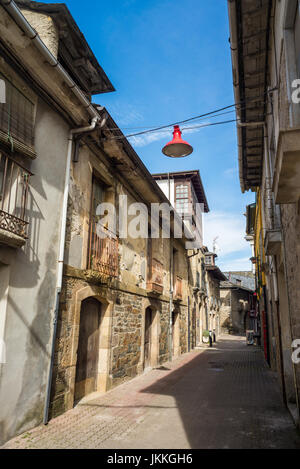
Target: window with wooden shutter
17,118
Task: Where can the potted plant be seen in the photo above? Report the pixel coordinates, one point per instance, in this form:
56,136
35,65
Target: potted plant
205,337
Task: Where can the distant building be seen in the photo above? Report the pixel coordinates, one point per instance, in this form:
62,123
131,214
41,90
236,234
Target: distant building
185,190
211,321
238,303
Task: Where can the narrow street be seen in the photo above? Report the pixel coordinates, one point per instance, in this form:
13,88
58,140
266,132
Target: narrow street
225,397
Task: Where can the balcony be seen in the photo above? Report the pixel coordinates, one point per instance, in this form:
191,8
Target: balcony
178,289
14,189
273,241
103,251
287,168
155,284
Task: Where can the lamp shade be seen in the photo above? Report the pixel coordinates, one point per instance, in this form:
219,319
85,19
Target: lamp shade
177,148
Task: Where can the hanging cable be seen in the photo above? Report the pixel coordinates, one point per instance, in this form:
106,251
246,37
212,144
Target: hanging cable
211,114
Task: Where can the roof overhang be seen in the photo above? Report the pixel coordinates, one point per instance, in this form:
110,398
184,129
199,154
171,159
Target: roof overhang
226,285
127,162
216,272
249,39
74,52
195,177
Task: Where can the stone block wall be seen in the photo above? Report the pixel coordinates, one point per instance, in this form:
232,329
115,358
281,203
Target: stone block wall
125,338
291,229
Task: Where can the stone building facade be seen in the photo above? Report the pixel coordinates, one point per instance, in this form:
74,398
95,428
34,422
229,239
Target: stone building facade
211,320
266,70
79,312
42,104
185,190
236,306
141,288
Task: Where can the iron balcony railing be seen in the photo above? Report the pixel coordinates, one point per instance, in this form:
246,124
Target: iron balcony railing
14,189
103,251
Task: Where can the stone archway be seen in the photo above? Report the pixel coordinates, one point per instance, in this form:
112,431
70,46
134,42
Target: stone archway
102,380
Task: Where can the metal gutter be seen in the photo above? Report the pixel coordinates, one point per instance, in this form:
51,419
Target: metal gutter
236,83
14,11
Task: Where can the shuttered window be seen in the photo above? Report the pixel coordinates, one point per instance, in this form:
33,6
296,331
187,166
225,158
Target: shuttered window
17,116
251,219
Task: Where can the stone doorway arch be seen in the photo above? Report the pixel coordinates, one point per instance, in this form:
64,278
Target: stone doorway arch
102,379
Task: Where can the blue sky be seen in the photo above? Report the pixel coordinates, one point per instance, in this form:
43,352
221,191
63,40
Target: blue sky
170,60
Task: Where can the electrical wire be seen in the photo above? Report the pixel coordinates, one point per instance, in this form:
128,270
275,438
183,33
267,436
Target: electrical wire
164,129
216,113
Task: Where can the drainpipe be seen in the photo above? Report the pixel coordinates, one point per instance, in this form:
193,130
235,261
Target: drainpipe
82,130
171,303
12,8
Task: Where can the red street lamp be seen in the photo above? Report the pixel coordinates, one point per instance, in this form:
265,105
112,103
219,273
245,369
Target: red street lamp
177,148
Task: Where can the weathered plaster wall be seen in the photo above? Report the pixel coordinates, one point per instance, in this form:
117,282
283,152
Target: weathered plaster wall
32,281
127,294
45,27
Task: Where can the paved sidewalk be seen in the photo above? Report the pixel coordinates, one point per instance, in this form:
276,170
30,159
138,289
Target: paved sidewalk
221,398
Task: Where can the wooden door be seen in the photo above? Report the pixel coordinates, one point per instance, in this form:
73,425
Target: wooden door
174,318
148,324
175,333
88,349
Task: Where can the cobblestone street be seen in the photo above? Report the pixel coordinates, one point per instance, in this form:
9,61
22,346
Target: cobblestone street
225,397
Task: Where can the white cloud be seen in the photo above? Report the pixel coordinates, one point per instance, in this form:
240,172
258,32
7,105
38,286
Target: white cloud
146,139
236,265
234,251
125,114
231,172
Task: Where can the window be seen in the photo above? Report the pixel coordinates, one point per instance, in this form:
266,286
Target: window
97,198
251,219
198,279
14,192
182,198
17,116
103,250
209,260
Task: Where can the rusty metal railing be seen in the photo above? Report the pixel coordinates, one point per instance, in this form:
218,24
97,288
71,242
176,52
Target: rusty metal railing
14,188
103,251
